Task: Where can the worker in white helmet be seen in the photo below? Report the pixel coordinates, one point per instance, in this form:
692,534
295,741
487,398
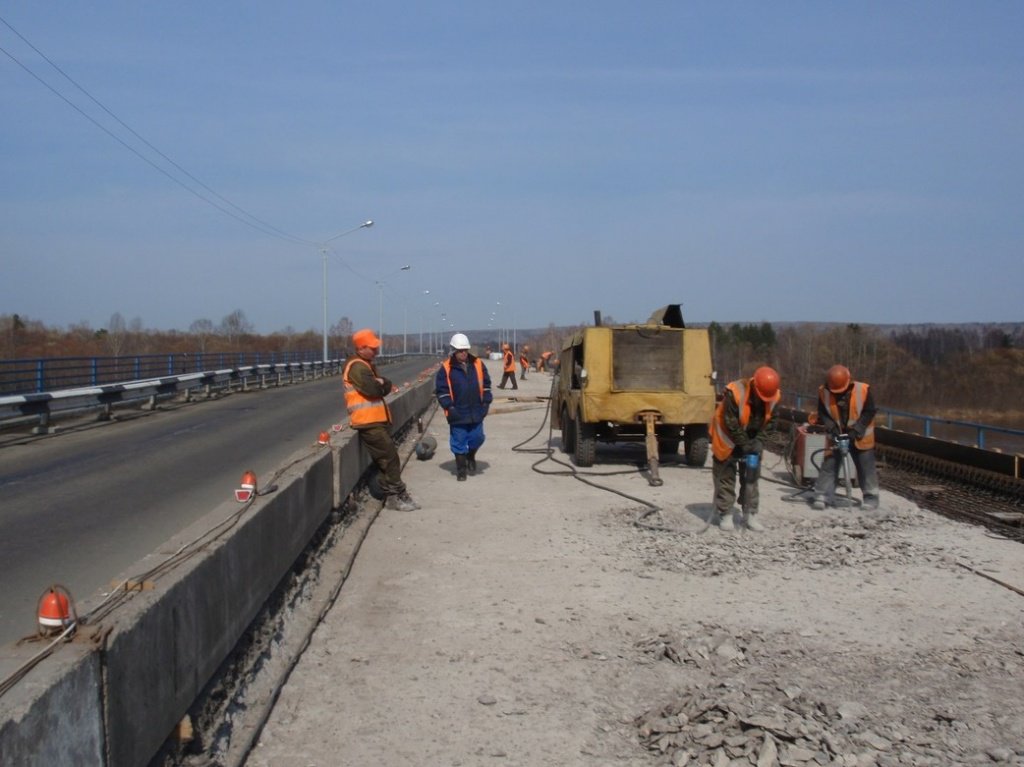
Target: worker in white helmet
463,389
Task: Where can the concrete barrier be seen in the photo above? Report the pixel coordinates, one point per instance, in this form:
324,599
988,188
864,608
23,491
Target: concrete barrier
112,696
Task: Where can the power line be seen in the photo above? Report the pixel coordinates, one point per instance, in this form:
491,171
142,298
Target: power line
249,219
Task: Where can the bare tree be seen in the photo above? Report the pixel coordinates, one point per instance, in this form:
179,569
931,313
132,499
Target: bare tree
116,337
234,326
201,330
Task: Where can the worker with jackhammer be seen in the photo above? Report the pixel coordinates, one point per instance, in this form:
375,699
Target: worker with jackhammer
738,433
463,389
846,411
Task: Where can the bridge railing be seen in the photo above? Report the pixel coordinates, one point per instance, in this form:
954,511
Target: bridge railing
983,436
44,406
37,375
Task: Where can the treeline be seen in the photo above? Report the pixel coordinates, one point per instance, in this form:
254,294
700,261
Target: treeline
970,372
967,372
22,338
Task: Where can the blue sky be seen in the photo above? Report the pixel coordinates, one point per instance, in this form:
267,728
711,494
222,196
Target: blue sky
819,161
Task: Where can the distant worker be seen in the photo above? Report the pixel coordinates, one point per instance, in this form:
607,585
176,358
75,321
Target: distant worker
846,411
542,365
508,367
738,433
463,389
524,362
369,415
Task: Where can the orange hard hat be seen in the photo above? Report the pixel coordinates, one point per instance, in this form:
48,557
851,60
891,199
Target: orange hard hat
837,379
505,347
365,337
766,383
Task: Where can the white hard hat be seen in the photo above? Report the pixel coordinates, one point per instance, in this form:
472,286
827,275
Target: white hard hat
459,341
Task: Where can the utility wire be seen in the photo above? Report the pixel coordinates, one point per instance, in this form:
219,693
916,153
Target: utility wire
249,219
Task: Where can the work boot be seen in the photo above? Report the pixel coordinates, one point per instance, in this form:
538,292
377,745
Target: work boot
725,523
471,461
818,504
870,502
753,524
400,503
460,467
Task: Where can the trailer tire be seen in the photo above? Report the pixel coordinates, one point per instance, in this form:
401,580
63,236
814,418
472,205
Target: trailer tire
586,445
567,442
696,444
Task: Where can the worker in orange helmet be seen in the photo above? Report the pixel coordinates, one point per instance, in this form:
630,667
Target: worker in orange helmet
738,433
846,410
370,417
508,367
524,362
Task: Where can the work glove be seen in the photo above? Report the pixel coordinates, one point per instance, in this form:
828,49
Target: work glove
753,446
856,431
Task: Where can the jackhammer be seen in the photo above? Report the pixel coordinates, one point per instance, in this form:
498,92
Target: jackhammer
751,464
841,446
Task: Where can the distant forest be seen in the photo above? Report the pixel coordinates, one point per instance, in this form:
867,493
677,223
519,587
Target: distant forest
969,372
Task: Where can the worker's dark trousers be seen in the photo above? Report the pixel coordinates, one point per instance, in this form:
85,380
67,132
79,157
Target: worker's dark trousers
867,476
723,473
509,375
378,443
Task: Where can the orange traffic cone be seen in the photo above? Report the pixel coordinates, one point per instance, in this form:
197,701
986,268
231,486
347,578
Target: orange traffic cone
248,488
55,611
324,438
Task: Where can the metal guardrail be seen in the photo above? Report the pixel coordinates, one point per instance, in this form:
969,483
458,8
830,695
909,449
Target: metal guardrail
983,436
45,406
38,375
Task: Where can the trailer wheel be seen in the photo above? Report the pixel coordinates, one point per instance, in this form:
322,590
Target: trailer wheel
567,442
586,445
696,443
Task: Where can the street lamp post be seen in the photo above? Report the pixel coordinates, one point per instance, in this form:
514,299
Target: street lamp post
380,302
323,252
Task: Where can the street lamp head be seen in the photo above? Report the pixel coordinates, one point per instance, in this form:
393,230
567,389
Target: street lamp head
406,268
366,224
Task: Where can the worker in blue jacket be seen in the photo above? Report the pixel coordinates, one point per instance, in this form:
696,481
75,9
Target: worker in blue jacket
463,389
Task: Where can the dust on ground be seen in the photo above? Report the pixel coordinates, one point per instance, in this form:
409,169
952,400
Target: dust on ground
524,617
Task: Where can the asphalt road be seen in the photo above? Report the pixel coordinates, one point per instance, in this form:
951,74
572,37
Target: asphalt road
79,507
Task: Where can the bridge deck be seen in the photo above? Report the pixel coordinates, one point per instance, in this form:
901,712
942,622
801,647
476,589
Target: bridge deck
524,619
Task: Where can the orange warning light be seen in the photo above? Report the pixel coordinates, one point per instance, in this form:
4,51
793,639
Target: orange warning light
55,611
248,487
324,438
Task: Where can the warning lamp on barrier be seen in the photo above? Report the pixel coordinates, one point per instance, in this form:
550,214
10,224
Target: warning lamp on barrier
247,489
56,611
324,438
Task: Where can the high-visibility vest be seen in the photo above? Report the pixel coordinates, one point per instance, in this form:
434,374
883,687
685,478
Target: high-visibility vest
858,397
510,363
447,365
722,443
363,410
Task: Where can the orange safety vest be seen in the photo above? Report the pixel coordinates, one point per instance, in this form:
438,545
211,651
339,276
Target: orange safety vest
510,363
722,444
447,365
858,397
362,410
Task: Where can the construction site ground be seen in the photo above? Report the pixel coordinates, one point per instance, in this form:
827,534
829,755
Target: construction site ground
526,617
